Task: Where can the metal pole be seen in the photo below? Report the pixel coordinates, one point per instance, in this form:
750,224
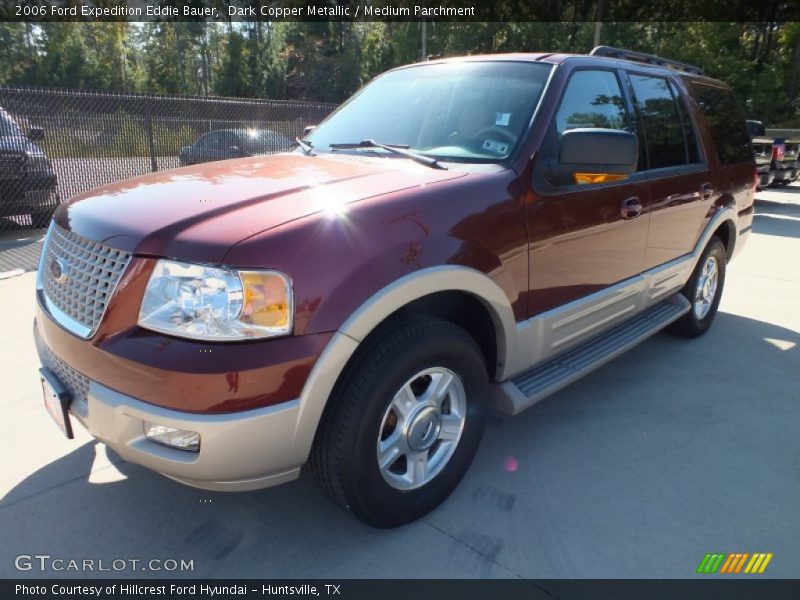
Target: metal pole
598,24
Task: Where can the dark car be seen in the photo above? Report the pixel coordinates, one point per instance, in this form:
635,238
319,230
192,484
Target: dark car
460,234
762,149
222,144
27,180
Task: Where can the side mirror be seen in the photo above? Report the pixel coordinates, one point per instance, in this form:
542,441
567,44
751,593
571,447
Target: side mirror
594,155
308,129
36,134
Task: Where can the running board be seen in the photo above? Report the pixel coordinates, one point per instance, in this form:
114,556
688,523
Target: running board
528,388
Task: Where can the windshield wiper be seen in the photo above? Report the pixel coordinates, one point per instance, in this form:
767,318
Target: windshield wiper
394,148
307,147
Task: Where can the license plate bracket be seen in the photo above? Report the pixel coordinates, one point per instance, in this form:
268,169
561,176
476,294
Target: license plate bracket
56,400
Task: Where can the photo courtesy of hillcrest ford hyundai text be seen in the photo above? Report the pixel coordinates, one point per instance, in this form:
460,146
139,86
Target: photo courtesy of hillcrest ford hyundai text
462,234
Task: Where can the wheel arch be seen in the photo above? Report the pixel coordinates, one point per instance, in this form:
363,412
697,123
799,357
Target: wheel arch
426,291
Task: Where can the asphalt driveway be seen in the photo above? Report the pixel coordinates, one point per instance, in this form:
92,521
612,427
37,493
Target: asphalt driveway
672,451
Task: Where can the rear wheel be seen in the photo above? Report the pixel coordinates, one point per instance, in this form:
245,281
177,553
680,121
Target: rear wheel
704,291
404,424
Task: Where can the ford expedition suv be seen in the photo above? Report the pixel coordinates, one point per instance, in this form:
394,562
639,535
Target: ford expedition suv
459,235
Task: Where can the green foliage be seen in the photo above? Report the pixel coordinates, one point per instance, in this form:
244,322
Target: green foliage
328,61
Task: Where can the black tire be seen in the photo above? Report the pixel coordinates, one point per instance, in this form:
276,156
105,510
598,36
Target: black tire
41,219
344,457
691,325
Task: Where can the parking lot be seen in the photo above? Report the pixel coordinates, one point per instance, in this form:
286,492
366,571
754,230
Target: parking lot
677,449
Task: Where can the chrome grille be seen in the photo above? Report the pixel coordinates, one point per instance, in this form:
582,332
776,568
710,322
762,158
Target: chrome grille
78,277
77,385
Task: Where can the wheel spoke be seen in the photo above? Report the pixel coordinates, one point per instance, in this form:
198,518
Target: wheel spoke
711,269
391,449
451,427
403,403
440,387
417,467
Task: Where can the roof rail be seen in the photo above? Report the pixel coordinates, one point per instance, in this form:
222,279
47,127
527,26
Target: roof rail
650,59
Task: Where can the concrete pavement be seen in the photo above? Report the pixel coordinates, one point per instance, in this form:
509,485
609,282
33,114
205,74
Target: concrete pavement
674,450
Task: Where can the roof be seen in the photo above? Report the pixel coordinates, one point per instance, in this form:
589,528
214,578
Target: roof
655,63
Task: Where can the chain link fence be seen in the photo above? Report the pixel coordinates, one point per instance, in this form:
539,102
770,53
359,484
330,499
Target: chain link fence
55,144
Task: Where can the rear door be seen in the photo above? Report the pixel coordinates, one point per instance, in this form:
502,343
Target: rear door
681,189
728,144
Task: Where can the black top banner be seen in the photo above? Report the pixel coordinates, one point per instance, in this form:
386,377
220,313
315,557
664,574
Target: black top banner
399,10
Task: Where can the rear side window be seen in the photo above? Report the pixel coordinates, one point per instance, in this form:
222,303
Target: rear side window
663,124
692,153
592,99
726,122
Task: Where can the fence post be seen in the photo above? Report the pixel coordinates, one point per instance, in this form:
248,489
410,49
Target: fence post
150,141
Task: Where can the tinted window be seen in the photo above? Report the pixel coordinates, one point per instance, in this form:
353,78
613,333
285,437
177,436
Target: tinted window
755,128
592,99
725,120
692,151
228,139
208,141
663,128
264,141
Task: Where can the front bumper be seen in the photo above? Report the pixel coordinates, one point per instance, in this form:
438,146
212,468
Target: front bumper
30,193
238,451
766,178
785,174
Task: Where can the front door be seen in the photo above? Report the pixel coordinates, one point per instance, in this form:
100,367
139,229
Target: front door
585,238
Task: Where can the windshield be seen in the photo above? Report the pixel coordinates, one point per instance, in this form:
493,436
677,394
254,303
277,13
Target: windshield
8,127
464,111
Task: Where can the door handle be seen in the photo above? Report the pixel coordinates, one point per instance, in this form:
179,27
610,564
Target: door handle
631,208
706,191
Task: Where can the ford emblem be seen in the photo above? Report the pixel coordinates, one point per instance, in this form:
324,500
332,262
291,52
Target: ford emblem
59,269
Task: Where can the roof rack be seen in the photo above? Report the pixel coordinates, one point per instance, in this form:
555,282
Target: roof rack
650,59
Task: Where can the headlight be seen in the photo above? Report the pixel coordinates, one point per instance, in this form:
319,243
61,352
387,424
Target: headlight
208,303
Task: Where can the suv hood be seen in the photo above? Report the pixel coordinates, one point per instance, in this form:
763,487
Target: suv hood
197,213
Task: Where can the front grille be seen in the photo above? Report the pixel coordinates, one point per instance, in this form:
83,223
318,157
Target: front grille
11,165
77,385
79,276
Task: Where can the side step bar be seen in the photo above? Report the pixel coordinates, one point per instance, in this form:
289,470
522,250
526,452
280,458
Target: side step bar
528,388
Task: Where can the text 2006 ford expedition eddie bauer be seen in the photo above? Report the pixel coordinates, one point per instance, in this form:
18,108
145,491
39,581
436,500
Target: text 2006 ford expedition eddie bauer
461,234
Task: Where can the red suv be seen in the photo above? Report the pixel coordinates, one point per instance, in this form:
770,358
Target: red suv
460,234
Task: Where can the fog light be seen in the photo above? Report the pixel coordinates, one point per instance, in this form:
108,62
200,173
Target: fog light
172,437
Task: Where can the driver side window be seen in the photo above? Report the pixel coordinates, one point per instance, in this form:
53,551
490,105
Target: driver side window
592,99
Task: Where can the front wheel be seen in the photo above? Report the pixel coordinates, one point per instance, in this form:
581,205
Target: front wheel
704,291
404,424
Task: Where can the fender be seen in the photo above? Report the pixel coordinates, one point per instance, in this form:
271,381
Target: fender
375,310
